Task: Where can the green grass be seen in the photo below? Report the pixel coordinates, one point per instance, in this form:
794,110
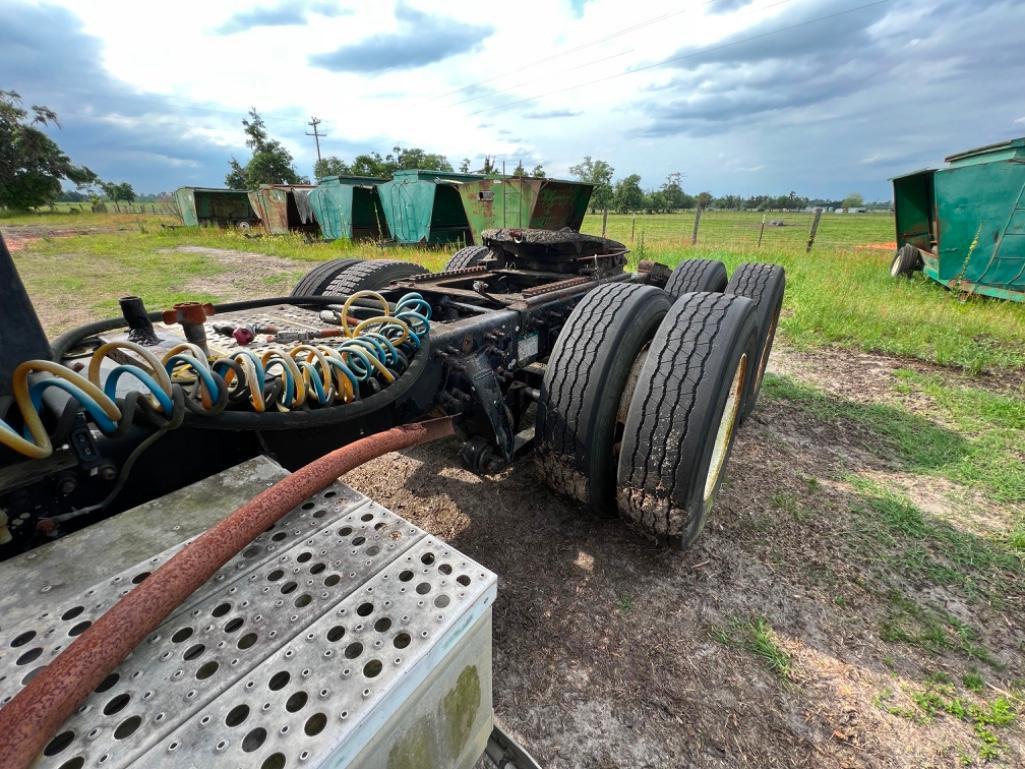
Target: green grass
757,637
841,294
985,718
89,272
930,629
835,296
976,443
740,229
929,549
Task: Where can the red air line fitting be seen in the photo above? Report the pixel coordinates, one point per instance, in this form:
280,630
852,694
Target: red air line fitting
29,720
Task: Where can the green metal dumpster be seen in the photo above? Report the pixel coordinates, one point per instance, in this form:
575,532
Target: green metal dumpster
283,208
425,206
967,220
349,207
212,207
524,201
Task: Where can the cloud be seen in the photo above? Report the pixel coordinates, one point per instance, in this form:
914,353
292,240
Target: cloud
551,114
421,39
280,16
119,133
814,63
286,14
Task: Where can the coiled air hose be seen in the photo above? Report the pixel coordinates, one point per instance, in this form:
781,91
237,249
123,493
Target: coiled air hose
185,382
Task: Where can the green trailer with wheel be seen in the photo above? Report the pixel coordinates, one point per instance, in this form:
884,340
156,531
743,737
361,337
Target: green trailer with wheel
963,225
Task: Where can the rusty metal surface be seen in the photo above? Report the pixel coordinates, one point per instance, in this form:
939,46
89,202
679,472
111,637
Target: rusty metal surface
29,720
276,207
558,285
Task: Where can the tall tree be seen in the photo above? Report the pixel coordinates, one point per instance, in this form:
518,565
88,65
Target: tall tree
330,166
32,166
519,170
464,167
413,158
629,196
854,200
599,173
538,172
673,196
488,169
270,163
704,199
113,193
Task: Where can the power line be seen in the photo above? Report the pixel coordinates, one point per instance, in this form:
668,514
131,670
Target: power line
600,60
568,51
690,55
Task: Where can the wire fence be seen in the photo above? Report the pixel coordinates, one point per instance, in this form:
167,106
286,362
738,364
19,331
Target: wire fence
746,230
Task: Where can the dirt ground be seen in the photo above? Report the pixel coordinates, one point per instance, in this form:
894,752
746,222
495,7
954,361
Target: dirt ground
609,652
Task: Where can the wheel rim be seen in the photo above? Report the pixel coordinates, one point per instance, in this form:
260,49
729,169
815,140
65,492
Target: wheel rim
763,359
727,425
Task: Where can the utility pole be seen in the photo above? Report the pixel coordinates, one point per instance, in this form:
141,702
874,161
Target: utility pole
314,122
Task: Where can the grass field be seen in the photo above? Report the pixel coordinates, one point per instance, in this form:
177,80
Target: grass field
742,229
856,599
836,296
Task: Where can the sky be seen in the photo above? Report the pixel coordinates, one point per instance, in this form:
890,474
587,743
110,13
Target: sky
824,97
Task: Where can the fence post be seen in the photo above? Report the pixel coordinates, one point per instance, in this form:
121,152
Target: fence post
814,229
633,226
761,231
604,220
697,223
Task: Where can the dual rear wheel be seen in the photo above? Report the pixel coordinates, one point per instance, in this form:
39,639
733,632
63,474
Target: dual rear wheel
644,392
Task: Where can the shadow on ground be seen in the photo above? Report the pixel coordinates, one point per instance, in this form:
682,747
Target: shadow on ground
605,645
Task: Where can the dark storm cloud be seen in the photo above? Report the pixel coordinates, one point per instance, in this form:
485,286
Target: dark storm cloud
421,39
119,133
816,57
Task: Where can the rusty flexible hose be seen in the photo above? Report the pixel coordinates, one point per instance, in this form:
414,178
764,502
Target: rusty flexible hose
29,720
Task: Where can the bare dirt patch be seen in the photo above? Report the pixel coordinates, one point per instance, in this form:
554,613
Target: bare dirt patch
245,273
606,652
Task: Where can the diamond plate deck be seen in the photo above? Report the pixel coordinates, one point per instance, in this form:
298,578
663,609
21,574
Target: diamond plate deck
291,655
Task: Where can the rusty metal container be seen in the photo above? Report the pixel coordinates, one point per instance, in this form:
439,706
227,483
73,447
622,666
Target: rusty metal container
967,220
349,207
524,201
213,207
284,208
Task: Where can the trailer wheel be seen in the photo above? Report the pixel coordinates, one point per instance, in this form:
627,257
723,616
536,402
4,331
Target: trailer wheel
905,262
683,415
576,428
763,284
470,256
316,281
371,275
696,275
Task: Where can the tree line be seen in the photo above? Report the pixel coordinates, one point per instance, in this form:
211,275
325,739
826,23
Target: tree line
33,170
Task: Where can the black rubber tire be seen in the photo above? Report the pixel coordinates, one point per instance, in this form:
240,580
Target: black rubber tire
696,275
677,410
764,284
371,275
317,280
470,256
583,385
905,262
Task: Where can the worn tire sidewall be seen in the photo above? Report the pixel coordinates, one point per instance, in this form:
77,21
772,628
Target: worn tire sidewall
738,336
